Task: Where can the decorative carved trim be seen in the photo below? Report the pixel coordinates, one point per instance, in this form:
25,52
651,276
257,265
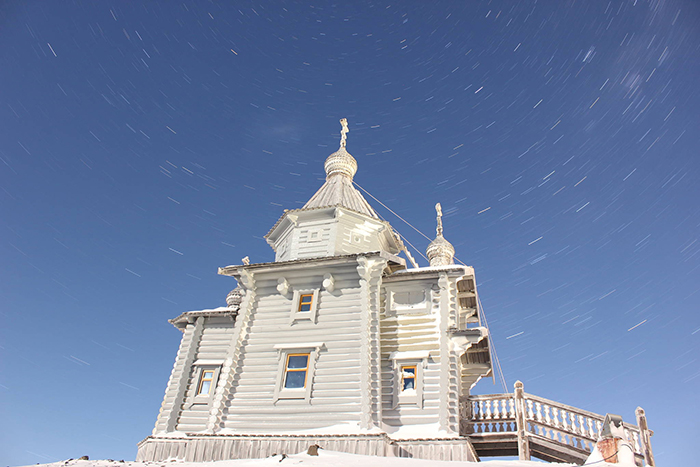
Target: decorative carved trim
370,272
328,282
189,344
448,361
283,286
245,279
225,388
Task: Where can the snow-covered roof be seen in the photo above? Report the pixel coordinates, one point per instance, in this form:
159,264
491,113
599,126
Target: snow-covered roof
229,270
430,270
338,191
189,316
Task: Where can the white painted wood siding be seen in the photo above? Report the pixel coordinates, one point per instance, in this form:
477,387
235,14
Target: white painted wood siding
410,332
357,235
313,239
283,247
335,394
213,345
170,408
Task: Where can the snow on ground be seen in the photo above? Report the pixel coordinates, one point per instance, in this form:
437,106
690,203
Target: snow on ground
324,459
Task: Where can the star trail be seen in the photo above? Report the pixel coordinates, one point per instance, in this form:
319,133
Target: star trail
145,144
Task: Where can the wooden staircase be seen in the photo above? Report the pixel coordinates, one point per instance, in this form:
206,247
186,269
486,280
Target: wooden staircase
525,425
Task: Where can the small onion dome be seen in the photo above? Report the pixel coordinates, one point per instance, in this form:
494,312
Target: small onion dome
440,252
234,297
340,162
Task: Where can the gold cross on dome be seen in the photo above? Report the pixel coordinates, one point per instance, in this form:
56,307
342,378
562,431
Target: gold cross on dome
344,132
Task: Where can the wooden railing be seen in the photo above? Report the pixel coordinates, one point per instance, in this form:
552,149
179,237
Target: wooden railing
526,416
491,413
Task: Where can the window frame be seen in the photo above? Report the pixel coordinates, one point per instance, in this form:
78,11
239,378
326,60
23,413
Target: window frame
401,360
288,370
284,351
200,367
310,315
402,369
303,302
202,380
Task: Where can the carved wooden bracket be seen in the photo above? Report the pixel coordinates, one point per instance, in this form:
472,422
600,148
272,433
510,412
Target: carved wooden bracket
246,279
283,286
328,282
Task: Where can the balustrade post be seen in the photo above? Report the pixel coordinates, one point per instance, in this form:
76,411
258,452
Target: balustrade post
645,433
521,423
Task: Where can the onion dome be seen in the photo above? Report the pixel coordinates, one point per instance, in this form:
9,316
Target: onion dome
440,252
234,297
341,162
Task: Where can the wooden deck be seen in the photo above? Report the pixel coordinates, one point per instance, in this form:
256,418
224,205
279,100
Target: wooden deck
525,425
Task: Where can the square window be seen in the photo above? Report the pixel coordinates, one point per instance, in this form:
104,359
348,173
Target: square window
206,381
305,302
304,306
296,370
408,378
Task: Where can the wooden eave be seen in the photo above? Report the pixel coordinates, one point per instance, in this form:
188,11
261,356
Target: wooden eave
471,332
188,317
424,273
233,270
291,212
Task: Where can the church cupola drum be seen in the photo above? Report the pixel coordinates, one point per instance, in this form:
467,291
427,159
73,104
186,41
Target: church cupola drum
336,220
334,343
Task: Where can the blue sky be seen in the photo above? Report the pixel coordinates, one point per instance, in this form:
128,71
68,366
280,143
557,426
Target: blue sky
144,144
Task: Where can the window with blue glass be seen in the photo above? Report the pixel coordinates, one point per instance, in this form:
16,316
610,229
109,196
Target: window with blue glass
296,371
305,302
205,382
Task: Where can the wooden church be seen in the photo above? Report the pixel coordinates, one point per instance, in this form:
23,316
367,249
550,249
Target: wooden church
335,343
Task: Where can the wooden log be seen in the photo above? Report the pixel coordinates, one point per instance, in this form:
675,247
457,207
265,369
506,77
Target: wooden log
645,433
521,423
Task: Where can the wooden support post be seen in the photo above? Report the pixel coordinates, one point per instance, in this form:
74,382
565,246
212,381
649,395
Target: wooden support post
645,434
521,423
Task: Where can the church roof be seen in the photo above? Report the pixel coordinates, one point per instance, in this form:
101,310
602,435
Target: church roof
338,190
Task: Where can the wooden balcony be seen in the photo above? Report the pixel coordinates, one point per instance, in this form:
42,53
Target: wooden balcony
524,425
